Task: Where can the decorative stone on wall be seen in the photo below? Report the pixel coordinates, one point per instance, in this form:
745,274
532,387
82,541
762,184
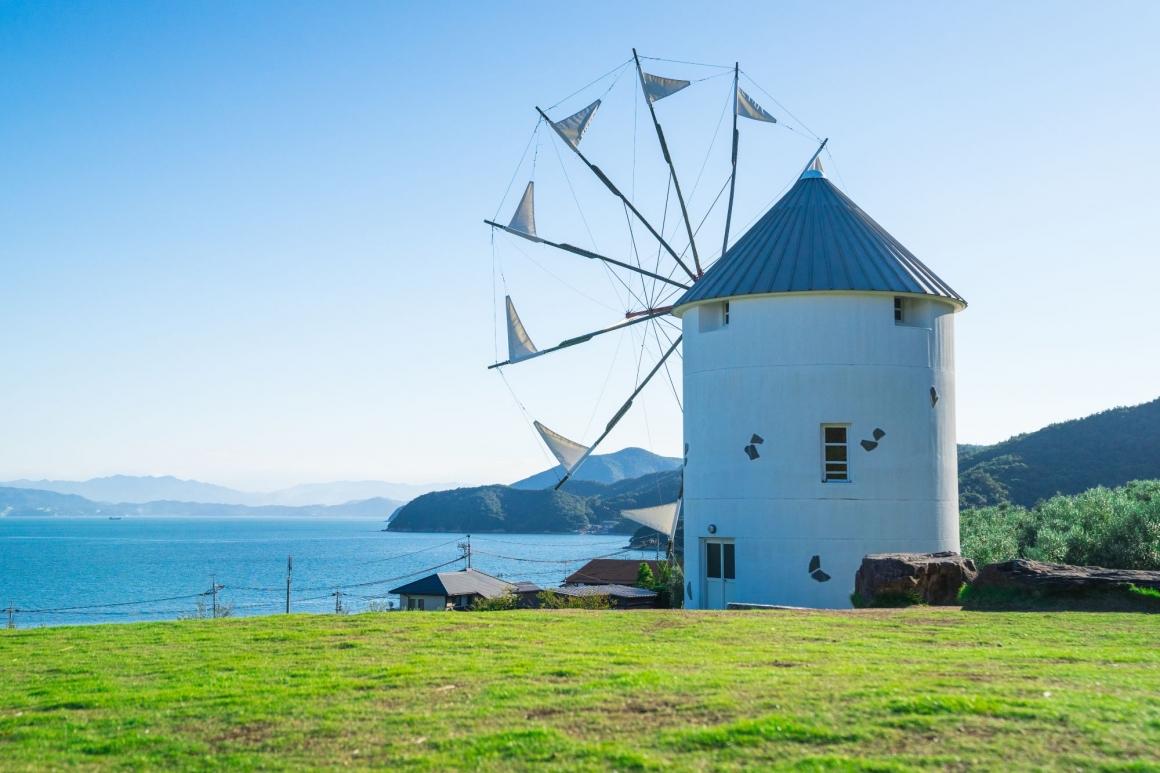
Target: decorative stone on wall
870,445
815,570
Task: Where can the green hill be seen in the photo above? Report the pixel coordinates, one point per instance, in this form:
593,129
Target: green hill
485,509
498,508
1107,449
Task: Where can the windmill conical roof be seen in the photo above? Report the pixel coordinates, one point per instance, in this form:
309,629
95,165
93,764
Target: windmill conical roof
816,239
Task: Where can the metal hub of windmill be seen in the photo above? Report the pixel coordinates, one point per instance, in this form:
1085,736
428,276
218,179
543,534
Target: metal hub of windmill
653,284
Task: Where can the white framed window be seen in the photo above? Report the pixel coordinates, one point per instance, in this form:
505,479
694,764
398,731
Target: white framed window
835,453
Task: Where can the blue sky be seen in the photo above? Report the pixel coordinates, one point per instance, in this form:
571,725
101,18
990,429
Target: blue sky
242,242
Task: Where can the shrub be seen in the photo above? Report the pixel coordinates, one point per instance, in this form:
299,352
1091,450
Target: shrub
1116,528
549,599
676,586
501,603
645,577
203,611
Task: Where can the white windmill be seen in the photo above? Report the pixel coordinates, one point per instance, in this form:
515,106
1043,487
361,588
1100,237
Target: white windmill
818,374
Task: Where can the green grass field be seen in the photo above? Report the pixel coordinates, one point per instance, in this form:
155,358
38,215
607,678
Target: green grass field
881,690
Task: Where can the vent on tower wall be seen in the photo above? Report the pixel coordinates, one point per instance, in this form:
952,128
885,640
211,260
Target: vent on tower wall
712,316
912,312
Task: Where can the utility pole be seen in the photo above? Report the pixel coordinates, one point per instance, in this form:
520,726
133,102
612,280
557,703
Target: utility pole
11,610
338,601
213,589
466,548
289,571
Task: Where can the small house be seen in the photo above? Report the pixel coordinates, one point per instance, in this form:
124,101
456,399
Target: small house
450,590
619,596
611,571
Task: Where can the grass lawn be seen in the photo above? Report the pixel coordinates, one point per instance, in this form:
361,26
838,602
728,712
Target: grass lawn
880,690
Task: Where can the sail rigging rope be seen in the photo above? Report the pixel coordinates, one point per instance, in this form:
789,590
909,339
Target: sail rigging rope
528,421
593,83
609,273
681,61
607,378
517,171
830,156
787,112
518,249
712,142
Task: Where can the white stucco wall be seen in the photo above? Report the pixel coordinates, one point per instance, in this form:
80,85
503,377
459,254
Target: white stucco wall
784,366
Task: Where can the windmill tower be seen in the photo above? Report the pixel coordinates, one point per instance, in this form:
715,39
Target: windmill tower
819,406
818,373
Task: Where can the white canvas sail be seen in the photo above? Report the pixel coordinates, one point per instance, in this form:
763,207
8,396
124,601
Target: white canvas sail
524,220
566,452
656,87
663,518
520,345
747,108
573,127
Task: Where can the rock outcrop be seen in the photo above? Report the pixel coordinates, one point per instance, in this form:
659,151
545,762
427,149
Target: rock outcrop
934,577
1020,574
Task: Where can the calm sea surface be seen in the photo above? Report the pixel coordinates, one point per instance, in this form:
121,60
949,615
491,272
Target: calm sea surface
67,571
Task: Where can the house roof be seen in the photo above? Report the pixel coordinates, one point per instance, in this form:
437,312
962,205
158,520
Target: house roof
610,571
462,583
816,239
616,591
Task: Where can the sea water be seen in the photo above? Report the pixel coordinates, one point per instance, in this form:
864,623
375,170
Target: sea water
67,571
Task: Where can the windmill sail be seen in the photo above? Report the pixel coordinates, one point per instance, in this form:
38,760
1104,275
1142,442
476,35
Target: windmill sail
662,518
566,452
745,107
573,127
656,87
520,346
524,220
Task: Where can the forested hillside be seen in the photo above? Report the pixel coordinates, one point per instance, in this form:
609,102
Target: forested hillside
584,504
1106,449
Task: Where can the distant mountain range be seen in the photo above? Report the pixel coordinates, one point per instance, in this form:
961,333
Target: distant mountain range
142,489
1105,449
605,468
33,502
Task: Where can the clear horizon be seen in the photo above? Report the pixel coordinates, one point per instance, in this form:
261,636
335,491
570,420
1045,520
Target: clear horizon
243,244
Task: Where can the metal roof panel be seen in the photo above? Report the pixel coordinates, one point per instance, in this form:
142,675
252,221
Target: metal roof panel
816,239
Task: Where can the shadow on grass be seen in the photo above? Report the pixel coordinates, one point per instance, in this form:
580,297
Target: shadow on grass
1127,598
